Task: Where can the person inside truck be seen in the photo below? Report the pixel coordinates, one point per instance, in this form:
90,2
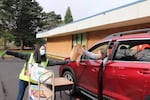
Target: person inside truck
99,54
143,55
93,55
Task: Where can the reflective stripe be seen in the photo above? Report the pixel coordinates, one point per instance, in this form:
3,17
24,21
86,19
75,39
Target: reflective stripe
24,77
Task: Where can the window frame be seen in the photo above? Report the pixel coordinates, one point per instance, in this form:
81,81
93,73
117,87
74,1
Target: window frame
96,46
131,41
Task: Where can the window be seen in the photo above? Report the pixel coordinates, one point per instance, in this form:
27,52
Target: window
102,47
133,50
79,39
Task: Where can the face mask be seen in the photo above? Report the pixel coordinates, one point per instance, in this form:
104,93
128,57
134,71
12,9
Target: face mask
42,52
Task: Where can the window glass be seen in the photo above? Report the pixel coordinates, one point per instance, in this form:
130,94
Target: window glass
79,39
102,47
133,50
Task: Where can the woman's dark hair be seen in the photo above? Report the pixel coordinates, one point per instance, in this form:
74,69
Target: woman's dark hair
37,57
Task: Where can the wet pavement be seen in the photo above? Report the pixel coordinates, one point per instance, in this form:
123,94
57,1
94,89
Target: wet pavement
9,71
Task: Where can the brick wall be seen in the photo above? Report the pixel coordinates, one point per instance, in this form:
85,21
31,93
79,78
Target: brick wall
93,37
60,46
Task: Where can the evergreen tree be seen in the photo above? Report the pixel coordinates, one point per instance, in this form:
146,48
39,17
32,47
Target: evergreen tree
28,13
7,20
20,19
6,14
51,20
68,16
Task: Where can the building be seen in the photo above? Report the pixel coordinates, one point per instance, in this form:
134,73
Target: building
87,31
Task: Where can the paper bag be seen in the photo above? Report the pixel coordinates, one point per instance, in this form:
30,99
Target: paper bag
76,52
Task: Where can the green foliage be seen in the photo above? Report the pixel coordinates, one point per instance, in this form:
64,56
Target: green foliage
20,19
28,19
7,20
41,41
51,20
8,36
7,14
68,16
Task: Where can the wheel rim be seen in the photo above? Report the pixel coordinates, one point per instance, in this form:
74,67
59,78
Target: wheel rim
70,78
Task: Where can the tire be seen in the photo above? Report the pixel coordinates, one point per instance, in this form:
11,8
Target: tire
69,76
147,97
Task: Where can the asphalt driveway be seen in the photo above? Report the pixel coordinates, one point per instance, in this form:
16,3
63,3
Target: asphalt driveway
9,71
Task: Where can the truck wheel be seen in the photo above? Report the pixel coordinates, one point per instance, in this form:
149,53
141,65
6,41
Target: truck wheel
69,76
147,97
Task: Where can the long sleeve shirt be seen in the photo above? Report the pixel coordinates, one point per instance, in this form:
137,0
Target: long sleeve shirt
91,55
26,56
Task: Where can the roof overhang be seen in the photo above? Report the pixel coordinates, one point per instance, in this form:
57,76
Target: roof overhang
137,13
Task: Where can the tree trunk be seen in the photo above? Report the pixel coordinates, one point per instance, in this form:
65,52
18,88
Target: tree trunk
5,44
22,45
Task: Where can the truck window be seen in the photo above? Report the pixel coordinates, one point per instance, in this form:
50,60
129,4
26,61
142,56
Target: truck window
95,49
133,50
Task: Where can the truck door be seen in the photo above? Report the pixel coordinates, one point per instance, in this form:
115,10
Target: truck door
89,69
132,73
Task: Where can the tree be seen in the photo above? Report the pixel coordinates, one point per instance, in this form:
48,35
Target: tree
20,20
7,37
7,14
28,18
51,20
68,16
7,22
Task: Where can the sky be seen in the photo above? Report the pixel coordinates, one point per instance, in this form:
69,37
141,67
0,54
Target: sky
81,8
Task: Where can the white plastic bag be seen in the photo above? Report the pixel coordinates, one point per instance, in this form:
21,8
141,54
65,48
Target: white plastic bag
40,74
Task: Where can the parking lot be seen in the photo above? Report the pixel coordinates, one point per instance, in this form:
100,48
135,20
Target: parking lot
9,71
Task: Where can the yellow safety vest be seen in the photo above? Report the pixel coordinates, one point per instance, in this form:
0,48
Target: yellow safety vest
24,77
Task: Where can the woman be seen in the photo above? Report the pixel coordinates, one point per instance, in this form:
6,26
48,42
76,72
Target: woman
39,56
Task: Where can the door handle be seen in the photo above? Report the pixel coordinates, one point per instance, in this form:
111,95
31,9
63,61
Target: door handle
122,76
144,71
83,64
95,70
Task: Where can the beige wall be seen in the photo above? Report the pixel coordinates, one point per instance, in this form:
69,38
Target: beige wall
60,46
95,36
